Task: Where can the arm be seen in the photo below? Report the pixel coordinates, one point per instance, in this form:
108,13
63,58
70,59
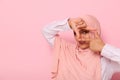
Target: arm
112,60
111,53
50,30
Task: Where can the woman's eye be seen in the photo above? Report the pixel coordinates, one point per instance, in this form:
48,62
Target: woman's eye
84,31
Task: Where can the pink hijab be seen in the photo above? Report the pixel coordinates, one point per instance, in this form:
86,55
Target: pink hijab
72,64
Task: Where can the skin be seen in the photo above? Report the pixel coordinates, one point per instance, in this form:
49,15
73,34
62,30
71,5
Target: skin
85,36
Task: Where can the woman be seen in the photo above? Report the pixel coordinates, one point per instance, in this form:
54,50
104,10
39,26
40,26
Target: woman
89,59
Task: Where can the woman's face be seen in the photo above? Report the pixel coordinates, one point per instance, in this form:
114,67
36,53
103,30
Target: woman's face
82,37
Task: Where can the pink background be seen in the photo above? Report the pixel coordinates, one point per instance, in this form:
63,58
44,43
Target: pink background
24,53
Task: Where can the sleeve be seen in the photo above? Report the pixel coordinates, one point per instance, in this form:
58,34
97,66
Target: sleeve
111,52
52,29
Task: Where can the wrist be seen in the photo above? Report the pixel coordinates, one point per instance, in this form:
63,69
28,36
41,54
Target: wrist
102,46
69,22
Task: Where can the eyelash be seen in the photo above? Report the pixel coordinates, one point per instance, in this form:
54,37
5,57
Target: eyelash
82,32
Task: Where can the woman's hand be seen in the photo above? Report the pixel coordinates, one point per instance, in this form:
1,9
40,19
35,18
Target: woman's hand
96,43
76,24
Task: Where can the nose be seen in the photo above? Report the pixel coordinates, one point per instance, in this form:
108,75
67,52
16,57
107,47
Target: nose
81,37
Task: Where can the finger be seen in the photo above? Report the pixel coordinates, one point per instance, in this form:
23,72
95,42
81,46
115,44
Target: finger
96,34
77,33
75,20
81,21
91,29
81,24
92,36
74,26
76,30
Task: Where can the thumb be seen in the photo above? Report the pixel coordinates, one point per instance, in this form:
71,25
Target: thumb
96,34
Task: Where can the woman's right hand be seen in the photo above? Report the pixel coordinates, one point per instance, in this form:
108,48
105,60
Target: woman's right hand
76,24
